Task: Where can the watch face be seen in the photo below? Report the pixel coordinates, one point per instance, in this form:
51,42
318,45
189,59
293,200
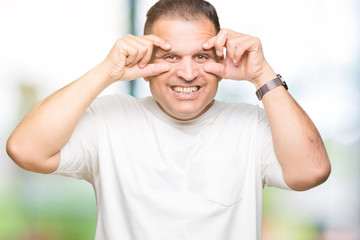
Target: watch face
282,81
258,94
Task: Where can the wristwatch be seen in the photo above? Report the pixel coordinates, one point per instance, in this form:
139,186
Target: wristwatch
278,81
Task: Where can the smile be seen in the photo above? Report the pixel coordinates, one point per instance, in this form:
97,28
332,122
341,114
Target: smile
185,90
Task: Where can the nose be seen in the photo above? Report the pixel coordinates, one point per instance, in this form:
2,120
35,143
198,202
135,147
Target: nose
187,69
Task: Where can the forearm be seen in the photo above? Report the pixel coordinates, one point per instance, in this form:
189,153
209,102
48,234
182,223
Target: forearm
49,125
36,142
297,143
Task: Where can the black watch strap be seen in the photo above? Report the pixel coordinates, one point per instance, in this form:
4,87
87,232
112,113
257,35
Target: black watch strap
278,81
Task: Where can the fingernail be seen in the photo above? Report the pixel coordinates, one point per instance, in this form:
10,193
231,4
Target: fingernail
205,45
218,53
235,62
167,45
141,65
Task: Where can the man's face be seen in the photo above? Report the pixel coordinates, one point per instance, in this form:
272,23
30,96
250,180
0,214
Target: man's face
186,91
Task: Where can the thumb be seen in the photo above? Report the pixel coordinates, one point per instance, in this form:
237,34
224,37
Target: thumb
217,69
154,69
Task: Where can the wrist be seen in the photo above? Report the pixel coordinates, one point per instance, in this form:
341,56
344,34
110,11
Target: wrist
276,82
108,72
100,76
266,75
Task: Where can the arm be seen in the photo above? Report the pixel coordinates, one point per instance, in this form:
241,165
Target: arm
36,142
297,143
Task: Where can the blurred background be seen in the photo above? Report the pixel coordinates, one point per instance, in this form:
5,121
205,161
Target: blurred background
46,44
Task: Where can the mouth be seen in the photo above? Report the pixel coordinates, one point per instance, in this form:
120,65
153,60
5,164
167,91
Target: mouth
185,90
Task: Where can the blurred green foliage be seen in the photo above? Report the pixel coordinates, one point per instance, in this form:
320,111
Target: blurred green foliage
281,224
69,215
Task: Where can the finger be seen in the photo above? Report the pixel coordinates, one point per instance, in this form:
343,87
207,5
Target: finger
152,42
235,48
137,49
249,45
217,69
144,55
130,54
219,41
140,58
230,48
159,42
149,70
146,44
216,42
130,49
142,50
155,69
145,59
147,55
209,43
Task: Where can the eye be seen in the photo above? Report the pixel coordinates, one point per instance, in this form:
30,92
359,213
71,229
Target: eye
171,58
201,58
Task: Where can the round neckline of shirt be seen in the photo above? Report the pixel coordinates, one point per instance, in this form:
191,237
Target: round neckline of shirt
207,116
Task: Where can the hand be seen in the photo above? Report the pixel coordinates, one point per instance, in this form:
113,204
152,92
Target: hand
129,58
244,58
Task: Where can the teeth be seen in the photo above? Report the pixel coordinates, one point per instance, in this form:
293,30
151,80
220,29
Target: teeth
185,90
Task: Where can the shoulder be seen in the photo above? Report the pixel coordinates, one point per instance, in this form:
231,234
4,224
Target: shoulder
118,106
242,116
114,99
242,110
120,102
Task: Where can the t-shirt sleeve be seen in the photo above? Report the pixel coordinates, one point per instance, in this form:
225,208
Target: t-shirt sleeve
79,154
271,170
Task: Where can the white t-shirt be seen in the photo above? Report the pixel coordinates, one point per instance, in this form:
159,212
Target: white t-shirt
158,178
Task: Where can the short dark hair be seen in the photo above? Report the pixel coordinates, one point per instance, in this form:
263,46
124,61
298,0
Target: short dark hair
188,10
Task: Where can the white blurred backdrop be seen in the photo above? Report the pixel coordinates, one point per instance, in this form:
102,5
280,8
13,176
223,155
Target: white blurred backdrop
314,45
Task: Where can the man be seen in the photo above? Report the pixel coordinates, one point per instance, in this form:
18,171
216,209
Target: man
179,164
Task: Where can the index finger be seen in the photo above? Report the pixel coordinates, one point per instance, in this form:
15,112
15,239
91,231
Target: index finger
152,42
209,43
218,42
159,42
